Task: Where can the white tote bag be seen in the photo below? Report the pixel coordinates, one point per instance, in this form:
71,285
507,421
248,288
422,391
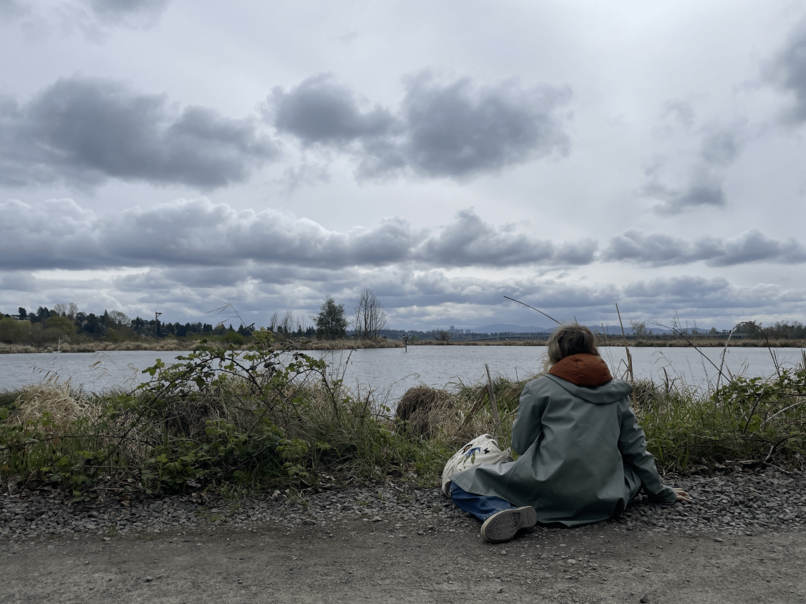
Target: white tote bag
482,449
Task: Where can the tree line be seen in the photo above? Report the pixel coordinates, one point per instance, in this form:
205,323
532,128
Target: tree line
67,322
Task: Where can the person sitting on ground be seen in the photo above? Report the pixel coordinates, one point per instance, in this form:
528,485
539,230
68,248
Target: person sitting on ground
583,457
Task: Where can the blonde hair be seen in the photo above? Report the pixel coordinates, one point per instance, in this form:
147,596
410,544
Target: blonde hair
567,340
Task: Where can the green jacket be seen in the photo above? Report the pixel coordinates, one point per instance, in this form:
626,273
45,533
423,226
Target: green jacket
583,455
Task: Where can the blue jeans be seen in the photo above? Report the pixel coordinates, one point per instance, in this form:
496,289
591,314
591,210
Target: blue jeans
481,506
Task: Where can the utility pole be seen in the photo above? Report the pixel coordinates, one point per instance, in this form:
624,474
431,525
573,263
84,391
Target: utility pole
157,323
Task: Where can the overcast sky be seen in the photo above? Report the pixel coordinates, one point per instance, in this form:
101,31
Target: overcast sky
181,155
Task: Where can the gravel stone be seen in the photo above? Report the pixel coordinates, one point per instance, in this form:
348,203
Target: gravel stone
737,502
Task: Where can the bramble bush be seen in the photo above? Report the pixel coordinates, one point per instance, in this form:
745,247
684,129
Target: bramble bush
750,420
257,417
222,418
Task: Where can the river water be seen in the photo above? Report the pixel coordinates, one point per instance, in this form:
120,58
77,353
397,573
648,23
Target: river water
391,371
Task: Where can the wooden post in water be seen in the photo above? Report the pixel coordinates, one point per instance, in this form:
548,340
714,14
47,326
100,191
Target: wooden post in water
493,403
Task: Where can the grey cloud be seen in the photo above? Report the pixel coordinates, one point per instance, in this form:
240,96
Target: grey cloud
94,18
681,111
305,174
702,190
678,289
788,70
60,234
18,281
454,130
413,299
576,253
471,241
753,246
648,248
201,233
457,130
89,130
55,234
12,9
320,111
657,249
720,146
128,12
698,193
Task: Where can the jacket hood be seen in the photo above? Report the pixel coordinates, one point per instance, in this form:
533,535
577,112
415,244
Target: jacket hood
586,376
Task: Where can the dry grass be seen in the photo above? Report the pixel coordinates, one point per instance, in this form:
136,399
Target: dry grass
159,345
454,418
181,345
55,399
716,343
350,344
422,409
17,348
93,346
483,343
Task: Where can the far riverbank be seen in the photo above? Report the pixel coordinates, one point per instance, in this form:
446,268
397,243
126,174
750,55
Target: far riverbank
177,345
632,342
183,345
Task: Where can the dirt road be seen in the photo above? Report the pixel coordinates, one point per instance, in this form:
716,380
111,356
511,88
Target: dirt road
380,562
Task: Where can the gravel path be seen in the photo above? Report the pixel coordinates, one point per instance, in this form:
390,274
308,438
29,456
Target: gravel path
737,502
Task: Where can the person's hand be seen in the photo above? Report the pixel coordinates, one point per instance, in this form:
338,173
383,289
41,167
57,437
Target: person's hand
682,495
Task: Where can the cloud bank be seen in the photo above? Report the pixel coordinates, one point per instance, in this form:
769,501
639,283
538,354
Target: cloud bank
413,299
658,249
59,233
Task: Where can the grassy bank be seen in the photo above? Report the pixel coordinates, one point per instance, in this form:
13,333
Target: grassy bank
93,346
190,344
219,419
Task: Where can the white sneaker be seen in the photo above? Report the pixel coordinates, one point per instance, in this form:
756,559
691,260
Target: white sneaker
502,526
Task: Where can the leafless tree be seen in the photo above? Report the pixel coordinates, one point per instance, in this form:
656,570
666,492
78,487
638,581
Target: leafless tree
288,323
66,310
119,318
638,328
370,318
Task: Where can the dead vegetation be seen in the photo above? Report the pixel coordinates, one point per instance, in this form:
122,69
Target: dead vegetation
422,409
349,344
54,400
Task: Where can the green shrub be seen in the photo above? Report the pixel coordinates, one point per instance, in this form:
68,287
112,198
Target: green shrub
233,338
264,417
749,419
